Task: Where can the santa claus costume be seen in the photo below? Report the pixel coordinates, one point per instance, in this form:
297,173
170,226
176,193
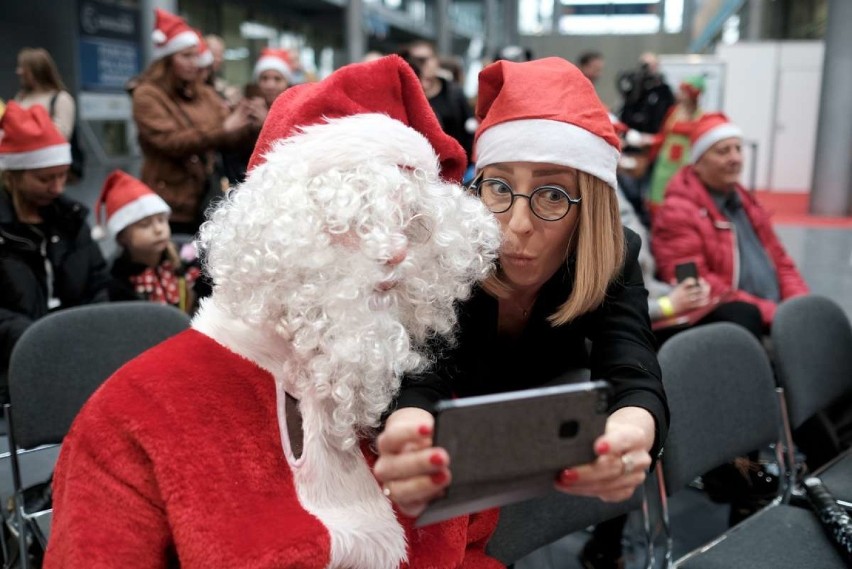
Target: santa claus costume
245,441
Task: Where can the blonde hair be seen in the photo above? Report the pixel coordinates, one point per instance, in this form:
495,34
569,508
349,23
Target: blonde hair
42,69
598,241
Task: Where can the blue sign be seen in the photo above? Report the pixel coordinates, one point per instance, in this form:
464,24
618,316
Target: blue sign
110,49
107,64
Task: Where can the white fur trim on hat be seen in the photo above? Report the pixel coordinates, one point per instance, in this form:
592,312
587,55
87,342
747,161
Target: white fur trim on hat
136,210
205,59
551,142
270,63
180,42
711,137
343,143
56,155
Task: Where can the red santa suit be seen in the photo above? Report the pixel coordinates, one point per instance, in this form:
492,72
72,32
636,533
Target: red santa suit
178,461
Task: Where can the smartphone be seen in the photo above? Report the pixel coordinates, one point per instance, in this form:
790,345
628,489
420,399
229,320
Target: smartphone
685,271
509,447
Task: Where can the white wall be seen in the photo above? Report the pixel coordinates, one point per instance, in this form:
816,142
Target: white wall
621,53
772,92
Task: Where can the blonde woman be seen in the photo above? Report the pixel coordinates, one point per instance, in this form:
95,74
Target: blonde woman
568,272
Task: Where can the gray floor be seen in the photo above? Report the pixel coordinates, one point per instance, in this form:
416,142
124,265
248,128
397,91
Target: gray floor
824,257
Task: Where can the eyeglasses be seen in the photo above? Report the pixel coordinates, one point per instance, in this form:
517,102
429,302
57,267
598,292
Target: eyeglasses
550,203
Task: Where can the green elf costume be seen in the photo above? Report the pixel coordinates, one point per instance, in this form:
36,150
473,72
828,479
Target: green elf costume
671,145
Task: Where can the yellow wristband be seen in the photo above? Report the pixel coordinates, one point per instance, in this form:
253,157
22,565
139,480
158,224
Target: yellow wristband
666,306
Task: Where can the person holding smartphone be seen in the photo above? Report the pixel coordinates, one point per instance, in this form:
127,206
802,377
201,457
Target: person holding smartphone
710,219
567,272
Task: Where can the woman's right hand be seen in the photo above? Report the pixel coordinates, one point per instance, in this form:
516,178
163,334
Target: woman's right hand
239,118
689,295
412,472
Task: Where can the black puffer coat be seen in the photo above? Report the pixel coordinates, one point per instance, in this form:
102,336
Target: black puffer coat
56,259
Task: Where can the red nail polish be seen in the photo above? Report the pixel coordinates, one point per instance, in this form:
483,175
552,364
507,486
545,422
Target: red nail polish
425,430
436,459
438,477
569,476
602,448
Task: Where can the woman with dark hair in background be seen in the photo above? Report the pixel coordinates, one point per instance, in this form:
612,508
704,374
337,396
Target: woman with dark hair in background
181,123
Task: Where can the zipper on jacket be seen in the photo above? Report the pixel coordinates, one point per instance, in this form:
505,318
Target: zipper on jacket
52,301
736,279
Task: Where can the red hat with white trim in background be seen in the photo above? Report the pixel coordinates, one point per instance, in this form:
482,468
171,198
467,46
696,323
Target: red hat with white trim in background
710,129
30,140
274,60
205,56
171,34
126,201
544,111
376,108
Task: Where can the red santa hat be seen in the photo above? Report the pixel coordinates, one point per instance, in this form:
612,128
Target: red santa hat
274,60
205,56
369,109
30,140
171,34
710,129
544,111
126,201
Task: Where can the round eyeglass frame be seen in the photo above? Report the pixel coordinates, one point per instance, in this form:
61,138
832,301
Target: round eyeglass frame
476,188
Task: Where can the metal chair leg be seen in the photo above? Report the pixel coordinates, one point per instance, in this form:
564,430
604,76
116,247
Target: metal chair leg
787,459
650,561
664,509
19,491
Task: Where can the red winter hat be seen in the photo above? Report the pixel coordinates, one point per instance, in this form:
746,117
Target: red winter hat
544,111
30,139
372,109
710,129
127,200
274,60
205,56
171,34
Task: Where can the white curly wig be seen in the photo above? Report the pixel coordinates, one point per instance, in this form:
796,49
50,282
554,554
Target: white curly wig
304,245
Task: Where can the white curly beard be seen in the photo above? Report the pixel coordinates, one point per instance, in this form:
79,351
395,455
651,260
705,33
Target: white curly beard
304,254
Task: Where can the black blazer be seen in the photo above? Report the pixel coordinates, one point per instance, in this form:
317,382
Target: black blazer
623,349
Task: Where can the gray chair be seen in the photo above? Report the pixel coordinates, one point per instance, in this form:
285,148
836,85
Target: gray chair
724,404
529,525
812,340
56,366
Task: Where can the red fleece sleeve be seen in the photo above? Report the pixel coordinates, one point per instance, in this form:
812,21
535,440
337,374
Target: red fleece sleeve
677,240
107,508
479,530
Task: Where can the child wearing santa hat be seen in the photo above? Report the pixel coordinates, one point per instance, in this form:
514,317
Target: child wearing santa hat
49,260
149,267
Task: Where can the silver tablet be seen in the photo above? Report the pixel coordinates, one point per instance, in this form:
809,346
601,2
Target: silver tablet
509,447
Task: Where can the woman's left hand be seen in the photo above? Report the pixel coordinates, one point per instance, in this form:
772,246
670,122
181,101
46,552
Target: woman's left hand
623,458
